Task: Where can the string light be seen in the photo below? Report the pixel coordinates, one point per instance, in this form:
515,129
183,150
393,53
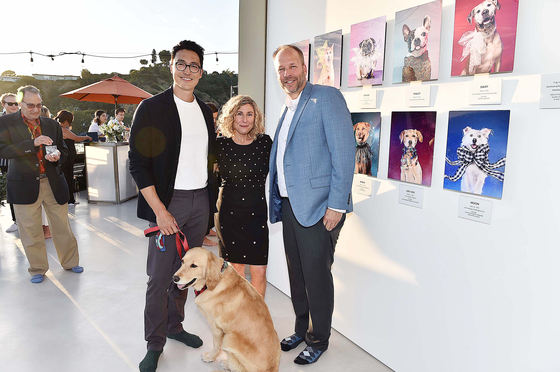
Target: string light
102,56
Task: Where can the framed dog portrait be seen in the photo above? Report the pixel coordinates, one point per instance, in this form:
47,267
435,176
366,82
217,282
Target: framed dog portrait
367,126
367,52
411,149
304,47
484,36
327,59
475,158
417,41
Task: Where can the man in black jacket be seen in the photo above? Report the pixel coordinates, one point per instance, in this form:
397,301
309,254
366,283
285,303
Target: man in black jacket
171,143
35,179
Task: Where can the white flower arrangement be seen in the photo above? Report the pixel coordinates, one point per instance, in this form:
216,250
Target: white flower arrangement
113,130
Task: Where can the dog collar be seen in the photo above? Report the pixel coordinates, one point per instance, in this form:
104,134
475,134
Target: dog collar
224,267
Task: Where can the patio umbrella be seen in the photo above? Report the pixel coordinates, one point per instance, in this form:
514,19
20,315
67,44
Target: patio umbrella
113,90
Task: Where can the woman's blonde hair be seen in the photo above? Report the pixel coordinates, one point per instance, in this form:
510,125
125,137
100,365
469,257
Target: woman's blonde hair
230,109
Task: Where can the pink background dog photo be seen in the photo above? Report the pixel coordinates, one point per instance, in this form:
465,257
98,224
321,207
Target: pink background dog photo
506,25
332,38
414,18
304,47
376,29
423,121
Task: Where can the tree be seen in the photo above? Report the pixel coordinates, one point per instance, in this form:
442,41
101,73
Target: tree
165,57
8,73
154,57
143,62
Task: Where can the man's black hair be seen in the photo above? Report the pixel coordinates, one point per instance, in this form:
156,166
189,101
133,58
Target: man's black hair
189,45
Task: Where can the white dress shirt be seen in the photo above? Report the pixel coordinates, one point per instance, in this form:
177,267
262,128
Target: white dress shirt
291,104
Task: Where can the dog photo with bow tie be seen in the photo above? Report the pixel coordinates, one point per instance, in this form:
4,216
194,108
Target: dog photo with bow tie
476,152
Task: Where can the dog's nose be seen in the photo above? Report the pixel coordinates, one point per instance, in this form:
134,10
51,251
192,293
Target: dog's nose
485,11
474,140
410,142
176,279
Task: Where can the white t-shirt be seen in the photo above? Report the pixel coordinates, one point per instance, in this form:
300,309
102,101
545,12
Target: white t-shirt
94,128
192,170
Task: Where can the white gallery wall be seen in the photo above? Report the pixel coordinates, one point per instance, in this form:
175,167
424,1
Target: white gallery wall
421,289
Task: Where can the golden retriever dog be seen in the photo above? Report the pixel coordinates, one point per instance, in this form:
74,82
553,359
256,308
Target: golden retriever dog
363,150
411,171
241,323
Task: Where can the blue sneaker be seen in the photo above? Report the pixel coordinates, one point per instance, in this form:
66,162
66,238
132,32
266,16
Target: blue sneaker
37,278
308,356
291,342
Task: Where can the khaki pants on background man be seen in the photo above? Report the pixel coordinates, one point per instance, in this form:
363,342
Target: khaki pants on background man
29,221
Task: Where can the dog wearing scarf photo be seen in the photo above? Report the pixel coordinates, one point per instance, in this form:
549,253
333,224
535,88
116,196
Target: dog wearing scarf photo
473,162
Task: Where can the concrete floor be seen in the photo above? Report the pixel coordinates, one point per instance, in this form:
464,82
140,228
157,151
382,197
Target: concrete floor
94,321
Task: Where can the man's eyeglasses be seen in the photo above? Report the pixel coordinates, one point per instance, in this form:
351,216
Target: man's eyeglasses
10,103
32,106
182,66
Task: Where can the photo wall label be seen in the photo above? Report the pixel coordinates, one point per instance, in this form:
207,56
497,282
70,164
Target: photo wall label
478,210
304,47
367,128
417,95
413,196
550,91
476,152
484,36
485,92
417,43
367,52
411,149
327,59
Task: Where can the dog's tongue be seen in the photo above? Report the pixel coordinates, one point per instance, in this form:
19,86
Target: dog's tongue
473,146
181,286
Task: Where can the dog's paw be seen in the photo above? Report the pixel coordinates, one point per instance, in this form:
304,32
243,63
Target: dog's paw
209,356
224,365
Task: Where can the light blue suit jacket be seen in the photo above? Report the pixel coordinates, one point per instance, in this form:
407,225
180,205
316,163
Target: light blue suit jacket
319,158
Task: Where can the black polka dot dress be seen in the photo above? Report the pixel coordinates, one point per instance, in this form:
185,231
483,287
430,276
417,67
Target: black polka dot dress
241,220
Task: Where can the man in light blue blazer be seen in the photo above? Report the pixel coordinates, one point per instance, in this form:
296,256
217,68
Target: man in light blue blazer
311,171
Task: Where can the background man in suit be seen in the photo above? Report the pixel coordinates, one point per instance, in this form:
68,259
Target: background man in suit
171,143
311,171
35,179
10,106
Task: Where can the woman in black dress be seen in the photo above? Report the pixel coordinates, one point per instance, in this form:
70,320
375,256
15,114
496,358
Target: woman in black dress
65,119
241,221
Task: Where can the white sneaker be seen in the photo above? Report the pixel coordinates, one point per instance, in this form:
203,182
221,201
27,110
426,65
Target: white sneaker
12,228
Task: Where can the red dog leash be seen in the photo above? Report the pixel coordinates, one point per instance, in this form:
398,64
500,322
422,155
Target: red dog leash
180,239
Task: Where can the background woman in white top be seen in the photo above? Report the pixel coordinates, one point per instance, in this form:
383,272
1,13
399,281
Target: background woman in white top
99,119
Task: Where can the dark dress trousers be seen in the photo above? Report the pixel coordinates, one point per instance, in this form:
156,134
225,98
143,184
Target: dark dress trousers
16,144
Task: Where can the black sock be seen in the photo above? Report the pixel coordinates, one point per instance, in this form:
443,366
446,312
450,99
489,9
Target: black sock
149,363
187,338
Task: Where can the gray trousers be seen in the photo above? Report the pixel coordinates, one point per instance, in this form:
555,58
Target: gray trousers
165,303
310,255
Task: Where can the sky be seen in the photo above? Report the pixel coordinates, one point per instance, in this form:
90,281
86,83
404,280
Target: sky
114,28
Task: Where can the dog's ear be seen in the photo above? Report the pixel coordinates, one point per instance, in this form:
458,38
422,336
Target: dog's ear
401,136
470,17
405,32
427,23
368,126
486,132
355,125
466,130
498,6
361,44
213,268
420,138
